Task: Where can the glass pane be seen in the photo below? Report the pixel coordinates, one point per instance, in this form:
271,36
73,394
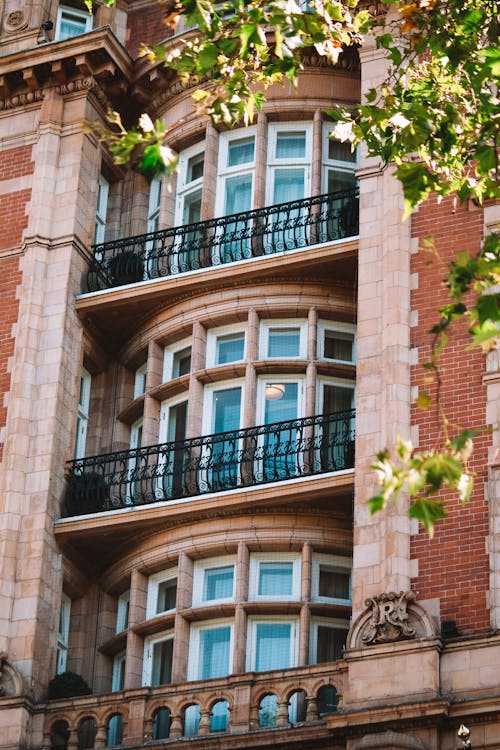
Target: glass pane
339,180
336,398
86,733
288,185
161,724
71,25
338,345
268,711
331,642
218,583
182,362
167,592
230,348
238,195
291,145
162,662
118,679
273,646
114,733
191,721
333,584
227,410
283,342
214,652
192,209
240,151
275,579
219,717
195,167
328,700
340,151
284,407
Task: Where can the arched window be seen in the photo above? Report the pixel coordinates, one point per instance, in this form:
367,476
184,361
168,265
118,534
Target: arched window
87,731
219,717
297,707
59,735
268,711
191,720
328,700
161,723
114,730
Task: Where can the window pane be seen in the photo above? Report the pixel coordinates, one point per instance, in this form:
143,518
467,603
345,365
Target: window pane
230,349
336,398
283,342
218,583
219,717
240,152
291,145
288,185
162,662
214,652
283,408
238,196
161,724
195,167
273,646
71,25
333,584
331,642
338,345
275,579
167,592
227,410
182,362
114,734
339,180
340,151
192,208
191,721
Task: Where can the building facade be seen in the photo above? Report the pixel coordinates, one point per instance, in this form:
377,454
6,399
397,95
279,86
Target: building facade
194,380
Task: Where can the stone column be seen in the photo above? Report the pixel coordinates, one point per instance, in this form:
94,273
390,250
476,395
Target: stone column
259,193
135,644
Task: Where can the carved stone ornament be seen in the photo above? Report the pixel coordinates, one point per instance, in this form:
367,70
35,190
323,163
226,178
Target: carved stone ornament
15,21
389,618
10,680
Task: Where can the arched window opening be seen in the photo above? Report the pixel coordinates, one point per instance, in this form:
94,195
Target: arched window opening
191,721
328,700
114,730
297,707
59,735
161,723
219,718
268,711
86,733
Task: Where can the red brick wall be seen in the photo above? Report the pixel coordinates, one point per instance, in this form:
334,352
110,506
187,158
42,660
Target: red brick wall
454,565
146,26
15,162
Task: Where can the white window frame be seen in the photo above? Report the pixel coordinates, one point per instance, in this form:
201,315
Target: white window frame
200,567
147,662
154,202
208,411
153,586
101,211
253,622
264,380
338,164
331,622
194,661
186,187
270,557
66,9
337,562
341,382
213,337
122,611
274,129
83,411
63,634
224,171
267,325
334,327
118,665
168,357
140,380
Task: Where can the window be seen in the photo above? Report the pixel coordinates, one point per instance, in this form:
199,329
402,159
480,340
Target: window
328,639
219,716
336,341
283,340
114,731
275,576
140,380
177,360
158,653
335,439
222,415
210,649
162,593
290,152
134,463
272,644
339,163
331,579
102,209
161,723
225,345
172,461
188,209
71,22
213,580
280,401
122,612
83,414
154,205
118,676
63,634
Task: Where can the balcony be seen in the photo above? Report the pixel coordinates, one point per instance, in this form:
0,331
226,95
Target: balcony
211,463
228,239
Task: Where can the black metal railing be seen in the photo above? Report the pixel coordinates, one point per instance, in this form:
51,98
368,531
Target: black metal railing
212,463
251,234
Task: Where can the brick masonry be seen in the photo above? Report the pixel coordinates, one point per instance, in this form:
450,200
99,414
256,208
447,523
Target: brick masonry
454,565
146,26
14,163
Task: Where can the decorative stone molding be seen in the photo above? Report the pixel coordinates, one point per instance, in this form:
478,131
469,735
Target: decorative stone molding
11,683
15,21
390,617
389,740
37,95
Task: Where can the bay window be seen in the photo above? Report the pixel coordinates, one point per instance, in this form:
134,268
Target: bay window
272,644
210,649
118,676
283,339
158,653
162,592
331,579
274,577
71,22
213,580
225,345
328,639
289,164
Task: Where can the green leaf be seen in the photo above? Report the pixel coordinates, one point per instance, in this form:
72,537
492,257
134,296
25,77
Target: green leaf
423,400
427,512
376,504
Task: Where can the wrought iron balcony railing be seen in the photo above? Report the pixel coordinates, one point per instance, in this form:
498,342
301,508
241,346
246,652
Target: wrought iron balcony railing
252,234
212,463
